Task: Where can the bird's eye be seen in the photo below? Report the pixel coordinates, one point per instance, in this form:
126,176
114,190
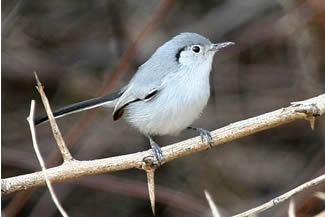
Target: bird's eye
196,49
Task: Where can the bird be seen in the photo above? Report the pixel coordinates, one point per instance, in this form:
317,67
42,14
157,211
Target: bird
166,94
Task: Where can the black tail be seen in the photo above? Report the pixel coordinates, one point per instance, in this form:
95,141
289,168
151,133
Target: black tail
80,106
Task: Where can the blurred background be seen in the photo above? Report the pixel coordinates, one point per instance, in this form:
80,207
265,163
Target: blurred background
81,49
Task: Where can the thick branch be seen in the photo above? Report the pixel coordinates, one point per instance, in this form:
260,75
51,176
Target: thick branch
301,110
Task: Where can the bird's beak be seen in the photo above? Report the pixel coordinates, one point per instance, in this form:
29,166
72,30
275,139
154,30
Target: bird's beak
218,46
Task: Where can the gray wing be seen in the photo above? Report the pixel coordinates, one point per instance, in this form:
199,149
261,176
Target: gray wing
150,78
144,85
133,94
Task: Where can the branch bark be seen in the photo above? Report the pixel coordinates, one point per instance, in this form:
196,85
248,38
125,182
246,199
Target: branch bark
307,110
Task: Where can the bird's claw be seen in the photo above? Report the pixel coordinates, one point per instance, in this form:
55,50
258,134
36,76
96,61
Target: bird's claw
156,151
206,136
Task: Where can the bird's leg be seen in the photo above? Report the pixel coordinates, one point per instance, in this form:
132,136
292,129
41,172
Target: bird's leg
205,135
156,150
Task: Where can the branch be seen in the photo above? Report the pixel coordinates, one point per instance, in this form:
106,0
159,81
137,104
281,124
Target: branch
55,129
307,109
214,209
31,123
283,197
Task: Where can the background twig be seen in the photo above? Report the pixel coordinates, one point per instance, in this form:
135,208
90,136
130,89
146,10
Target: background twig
214,209
282,197
30,120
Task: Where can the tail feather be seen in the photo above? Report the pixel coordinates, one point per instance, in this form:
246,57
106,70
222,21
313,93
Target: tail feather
80,106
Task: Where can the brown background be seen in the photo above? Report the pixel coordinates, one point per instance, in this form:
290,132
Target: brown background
75,47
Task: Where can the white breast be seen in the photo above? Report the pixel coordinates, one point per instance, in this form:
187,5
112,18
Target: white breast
176,106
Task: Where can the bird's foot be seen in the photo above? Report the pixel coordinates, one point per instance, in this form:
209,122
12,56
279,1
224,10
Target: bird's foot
156,150
205,135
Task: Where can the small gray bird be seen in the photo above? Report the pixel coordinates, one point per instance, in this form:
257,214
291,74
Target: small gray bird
166,94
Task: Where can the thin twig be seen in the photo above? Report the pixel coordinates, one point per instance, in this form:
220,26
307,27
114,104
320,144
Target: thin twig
74,169
30,120
320,195
55,129
214,209
292,209
321,214
283,197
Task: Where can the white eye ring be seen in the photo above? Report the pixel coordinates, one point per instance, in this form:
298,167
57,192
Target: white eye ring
196,48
